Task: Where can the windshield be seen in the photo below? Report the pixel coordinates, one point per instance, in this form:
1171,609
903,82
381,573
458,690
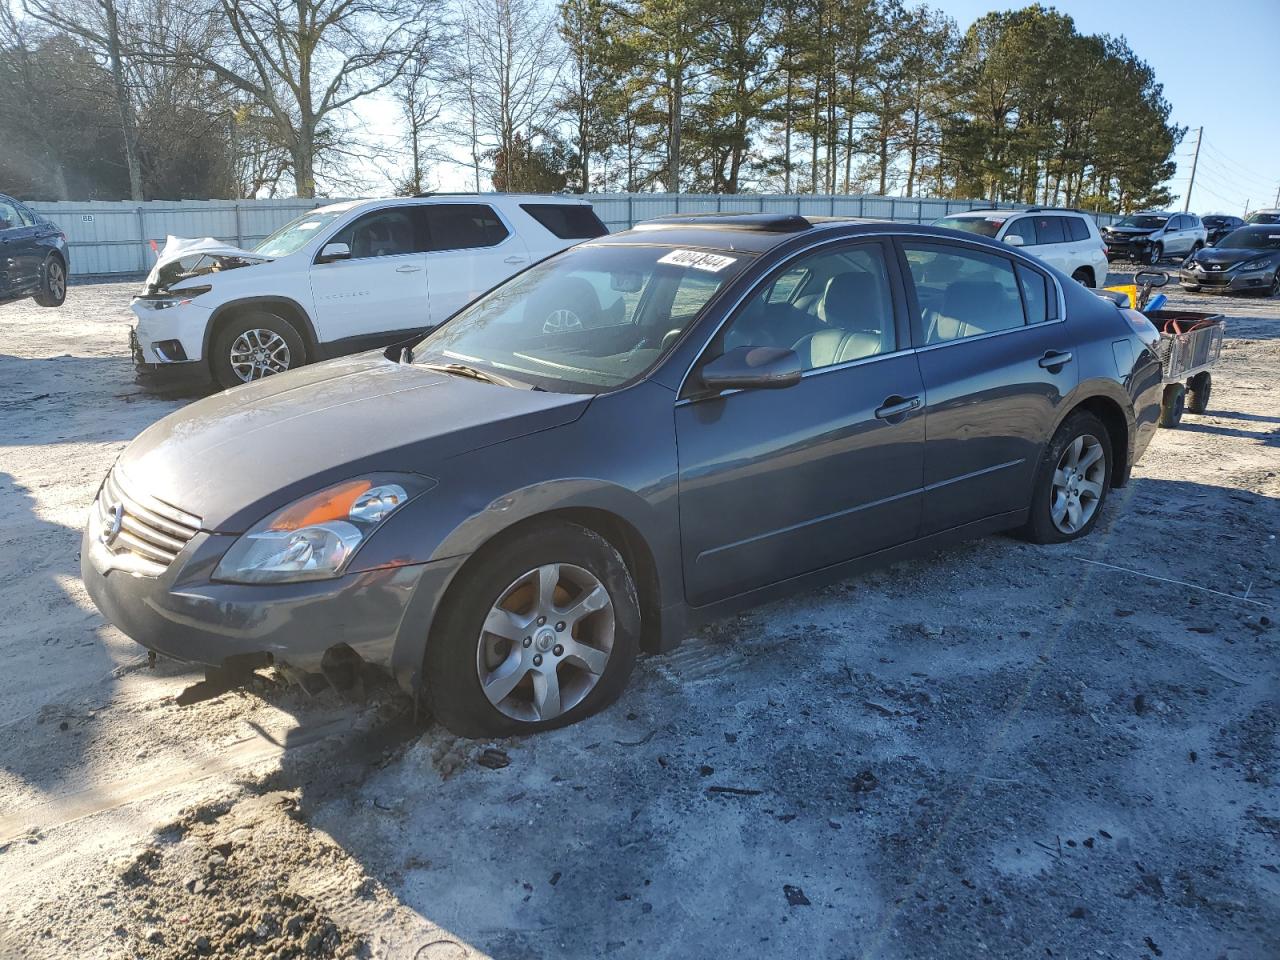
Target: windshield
589,320
1145,223
983,226
1264,218
294,234
1252,238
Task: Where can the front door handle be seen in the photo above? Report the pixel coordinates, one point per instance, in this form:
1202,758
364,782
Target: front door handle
1055,360
407,268
515,260
896,406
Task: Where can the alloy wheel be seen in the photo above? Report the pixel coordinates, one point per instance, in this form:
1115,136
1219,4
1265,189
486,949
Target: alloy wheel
546,642
561,321
57,280
259,353
1077,484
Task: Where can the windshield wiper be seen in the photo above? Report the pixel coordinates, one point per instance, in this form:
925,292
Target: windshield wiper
462,370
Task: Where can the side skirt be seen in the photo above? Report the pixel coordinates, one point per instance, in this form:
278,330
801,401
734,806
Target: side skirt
370,341
679,619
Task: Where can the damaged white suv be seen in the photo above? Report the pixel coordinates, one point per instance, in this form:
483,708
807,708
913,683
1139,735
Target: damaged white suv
339,279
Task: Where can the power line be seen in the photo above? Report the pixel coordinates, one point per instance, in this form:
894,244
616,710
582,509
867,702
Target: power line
1243,170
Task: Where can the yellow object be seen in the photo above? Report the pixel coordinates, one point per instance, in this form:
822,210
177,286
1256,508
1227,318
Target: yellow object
1130,290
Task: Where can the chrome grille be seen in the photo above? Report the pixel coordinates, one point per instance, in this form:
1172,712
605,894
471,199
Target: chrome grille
149,528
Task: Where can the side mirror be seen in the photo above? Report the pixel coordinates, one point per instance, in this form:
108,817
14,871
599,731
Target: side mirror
1014,240
334,251
753,368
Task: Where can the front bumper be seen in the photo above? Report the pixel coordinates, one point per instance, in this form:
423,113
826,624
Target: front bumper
1226,281
383,615
1126,249
169,375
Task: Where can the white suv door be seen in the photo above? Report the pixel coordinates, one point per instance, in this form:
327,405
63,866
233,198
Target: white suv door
382,286
471,250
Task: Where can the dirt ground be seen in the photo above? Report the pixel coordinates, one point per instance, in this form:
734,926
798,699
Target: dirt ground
1000,750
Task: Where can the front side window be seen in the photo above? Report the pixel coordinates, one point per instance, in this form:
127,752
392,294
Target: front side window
588,320
963,293
838,307
463,226
8,215
383,233
1024,228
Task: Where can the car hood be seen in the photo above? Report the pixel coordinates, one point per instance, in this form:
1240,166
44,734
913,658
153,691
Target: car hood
180,259
1229,256
1131,231
235,456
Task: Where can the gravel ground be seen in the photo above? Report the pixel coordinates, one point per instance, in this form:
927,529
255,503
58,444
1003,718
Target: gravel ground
999,750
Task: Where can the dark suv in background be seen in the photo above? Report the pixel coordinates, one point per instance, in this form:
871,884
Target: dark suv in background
1218,226
33,256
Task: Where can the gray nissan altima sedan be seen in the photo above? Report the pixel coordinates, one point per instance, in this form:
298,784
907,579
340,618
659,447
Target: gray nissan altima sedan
643,432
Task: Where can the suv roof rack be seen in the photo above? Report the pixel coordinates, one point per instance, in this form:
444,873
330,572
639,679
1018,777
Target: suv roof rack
766,222
1057,210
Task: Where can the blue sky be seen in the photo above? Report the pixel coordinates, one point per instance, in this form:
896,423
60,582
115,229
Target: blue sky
1220,66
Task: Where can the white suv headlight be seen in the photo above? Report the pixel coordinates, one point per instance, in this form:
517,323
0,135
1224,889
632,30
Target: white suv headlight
315,537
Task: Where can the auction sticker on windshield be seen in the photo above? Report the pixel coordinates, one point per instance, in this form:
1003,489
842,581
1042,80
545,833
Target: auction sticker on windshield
711,262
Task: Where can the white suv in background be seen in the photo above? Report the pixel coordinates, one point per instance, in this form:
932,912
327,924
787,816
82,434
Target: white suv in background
342,278
1066,239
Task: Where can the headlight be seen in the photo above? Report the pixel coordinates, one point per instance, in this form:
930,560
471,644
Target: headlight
177,298
314,538
1262,263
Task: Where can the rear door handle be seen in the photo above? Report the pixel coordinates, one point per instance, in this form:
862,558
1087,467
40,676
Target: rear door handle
896,406
514,260
1055,359
407,268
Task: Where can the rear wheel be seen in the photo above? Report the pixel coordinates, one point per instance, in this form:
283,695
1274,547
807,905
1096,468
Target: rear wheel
255,345
1083,276
1198,388
1072,482
53,283
1172,403
538,634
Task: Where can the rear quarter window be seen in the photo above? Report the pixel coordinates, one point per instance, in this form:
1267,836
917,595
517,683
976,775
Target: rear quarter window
568,221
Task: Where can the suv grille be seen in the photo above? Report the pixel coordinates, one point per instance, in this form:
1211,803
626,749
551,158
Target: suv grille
149,529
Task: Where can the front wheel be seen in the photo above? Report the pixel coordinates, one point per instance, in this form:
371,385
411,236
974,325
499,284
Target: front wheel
255,345
536,635
1156,254
53,283
1072,481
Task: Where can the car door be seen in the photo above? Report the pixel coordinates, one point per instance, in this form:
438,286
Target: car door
1052,238
20,251
777,483
996,361
380,289
471,250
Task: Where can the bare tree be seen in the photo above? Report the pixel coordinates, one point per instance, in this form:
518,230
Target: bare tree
417,92
306,61
506,69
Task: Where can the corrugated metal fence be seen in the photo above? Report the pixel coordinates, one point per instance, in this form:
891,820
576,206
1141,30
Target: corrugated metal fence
114,237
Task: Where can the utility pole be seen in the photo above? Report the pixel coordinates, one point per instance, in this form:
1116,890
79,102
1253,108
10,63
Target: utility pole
1278,194
1186,204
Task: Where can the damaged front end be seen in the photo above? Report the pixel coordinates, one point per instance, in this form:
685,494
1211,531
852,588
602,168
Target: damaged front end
182,260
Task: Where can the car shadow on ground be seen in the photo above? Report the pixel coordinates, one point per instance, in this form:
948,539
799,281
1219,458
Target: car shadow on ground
965,754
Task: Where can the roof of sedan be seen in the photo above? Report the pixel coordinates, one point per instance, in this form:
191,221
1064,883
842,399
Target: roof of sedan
751,232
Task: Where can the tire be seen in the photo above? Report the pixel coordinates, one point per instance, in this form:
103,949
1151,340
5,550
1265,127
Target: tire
1190,288
1198,389
1274,289
1054,488
281,348
1172,404
1084,276
567,307
53,283
502,587
1156,254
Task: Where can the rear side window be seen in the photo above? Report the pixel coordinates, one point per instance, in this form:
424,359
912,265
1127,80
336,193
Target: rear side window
568,221
463,226
1077,229
1037,295
963,293
1050,230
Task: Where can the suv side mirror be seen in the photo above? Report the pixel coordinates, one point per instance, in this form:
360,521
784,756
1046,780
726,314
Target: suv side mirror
334,251
753,368
1014,240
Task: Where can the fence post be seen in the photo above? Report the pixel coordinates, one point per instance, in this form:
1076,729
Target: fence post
893,211
631,216
239,229
833,205
142,241
862,205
